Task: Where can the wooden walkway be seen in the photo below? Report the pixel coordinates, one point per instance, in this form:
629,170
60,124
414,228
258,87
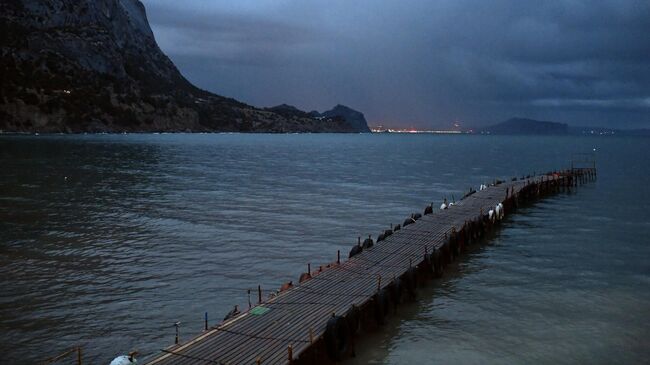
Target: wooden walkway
293,329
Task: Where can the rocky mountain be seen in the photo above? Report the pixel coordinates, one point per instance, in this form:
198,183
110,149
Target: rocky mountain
356,119
526,126
353,119
94,65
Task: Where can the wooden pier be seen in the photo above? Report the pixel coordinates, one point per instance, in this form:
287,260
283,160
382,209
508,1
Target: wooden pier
316,321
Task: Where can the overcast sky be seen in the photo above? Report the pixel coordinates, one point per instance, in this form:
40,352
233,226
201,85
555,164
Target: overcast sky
419,62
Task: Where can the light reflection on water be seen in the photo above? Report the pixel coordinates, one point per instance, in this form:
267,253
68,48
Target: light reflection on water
151,229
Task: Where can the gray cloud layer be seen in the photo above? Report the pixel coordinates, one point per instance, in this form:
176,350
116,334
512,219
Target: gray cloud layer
421,63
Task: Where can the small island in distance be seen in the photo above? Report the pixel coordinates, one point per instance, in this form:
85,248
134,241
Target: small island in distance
526,126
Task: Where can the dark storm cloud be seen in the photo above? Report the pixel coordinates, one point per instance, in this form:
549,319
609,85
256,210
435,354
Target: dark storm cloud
422,63
230,38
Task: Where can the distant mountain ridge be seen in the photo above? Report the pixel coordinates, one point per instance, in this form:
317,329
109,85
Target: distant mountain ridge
526,126
95,66
355,120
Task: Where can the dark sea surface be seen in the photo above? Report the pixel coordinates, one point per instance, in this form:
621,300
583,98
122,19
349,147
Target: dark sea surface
107,240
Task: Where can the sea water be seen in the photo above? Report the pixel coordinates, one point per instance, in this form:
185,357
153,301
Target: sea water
107,240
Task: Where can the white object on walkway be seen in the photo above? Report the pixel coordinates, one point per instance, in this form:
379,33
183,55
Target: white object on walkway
125,360
499,211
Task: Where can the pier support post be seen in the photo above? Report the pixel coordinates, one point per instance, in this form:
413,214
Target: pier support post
290,354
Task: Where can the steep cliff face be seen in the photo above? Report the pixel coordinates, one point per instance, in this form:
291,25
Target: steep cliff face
355,118
94,65
349,118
